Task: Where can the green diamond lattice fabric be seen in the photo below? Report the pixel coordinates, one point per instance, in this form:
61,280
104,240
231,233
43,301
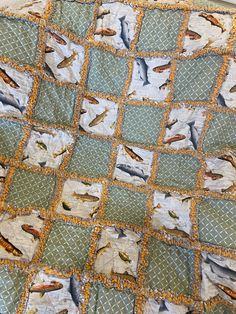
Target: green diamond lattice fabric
220,309
103,300
19,39
217,219
11,288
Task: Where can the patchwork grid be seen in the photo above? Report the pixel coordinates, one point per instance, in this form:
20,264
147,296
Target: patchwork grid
16,166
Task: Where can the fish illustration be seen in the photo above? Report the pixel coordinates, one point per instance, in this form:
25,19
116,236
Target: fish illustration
105,32
228,158
176,138
35,14
213,176
133,171
65,206
30,229
99,118
173,214
229,189
231,293
91,100
49,49
65,311
44,287
9,247
57,38
221,101
233,89
162,68
132,154
193,134
41,145
143,69
74,290
124,35
210,18
121,233
103,249
125,257
67,61
7,101
48,70
164,85
7,79
102,12
86,197
192,35
170,124
61,152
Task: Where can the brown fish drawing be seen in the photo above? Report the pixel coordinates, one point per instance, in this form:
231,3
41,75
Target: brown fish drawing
86,197
103,249
105,32
67,61
30,229
41,145
125,257
192,35
49,49
7,79
213,176
91,100
229,189
9,247
162,68
44,287
58,38
132,154
233,89
229,159
35,14
173,214
176,138
227,290
210,18
99,118
66,206
65,311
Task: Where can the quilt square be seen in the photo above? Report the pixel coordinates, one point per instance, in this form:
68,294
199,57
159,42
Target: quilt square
150,79
30,189
19,40
67,246
12,285
10,135
90,157
55,104
112,301
177,171
73,16
107,73
216,220
125,206
118,252
196,78
221,133
159,31
170,268
142,124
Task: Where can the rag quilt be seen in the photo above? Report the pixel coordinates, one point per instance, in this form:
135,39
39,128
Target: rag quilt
117,157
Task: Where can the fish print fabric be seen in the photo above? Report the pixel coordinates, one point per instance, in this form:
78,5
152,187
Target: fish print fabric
117,157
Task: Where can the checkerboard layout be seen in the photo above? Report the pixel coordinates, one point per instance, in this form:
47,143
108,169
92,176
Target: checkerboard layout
117,157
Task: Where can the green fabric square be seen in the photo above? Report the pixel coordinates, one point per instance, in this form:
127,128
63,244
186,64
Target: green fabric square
169,268
55,104
142,124
90,157
103,300
19,39
30,189
177,171
217,220
221,134
10,135
107,73
72,16
160,29
67,246
195,78
11,288
125,206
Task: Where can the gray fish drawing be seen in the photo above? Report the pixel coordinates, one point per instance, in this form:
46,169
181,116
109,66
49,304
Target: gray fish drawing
6,101
143,68
75,290
124,35
221,101
194,134
121,233
132,171
221,271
